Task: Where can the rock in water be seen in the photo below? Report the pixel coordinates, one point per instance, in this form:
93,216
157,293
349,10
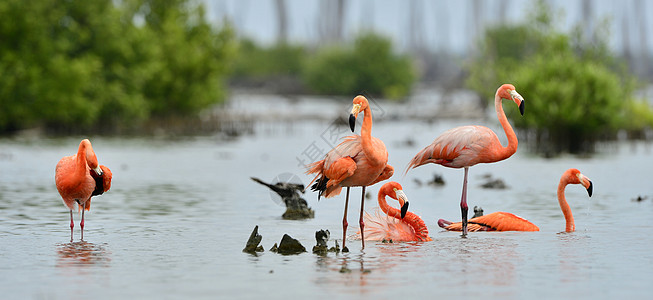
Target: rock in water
296,207
478,211
321,237
252,245
288,245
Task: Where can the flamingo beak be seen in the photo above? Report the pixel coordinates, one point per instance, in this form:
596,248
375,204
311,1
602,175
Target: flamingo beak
516,96
403,201
352,117
590,188
98,171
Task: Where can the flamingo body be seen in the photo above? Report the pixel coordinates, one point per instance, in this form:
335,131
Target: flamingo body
504,221
466,146
78,178
496,221
360,160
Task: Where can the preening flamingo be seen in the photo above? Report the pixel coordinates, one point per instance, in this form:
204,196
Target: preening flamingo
503,221
360,160
394,224
79,177
465,146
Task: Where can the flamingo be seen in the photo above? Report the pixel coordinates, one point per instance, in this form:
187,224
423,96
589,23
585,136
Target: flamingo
79,177
465,146
503,221
396,225
360,160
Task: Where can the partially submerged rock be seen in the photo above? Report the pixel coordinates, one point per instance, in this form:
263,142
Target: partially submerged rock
437,180
296,207
321,237
252,245
288,245
640,198
493,183
478,211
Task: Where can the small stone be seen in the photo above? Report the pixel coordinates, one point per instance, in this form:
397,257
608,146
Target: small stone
274,248
345,249
288,245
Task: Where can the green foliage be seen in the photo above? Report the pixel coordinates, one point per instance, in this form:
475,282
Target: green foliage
73,64
370,66
258,62
575,90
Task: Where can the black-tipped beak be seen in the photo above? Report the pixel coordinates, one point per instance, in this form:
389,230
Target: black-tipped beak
521,107
352,122
404,209
590,189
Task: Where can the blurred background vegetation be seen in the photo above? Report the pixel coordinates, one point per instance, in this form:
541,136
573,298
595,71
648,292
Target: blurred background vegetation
119,67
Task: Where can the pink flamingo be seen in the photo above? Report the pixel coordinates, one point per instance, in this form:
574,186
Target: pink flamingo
396,225
78,178
360,160
503,221
465,146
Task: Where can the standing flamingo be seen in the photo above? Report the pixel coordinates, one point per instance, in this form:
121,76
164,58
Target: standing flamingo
396,225
465,146
79,177
503,221
360,160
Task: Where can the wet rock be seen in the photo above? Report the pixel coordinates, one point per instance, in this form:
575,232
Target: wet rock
288,245
478,211
495,184
296,207
336,248
345,270
436,181
321,237
345,249
252,245
274,248
388,241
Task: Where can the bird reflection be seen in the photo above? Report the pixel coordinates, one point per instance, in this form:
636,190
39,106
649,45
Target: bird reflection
83,253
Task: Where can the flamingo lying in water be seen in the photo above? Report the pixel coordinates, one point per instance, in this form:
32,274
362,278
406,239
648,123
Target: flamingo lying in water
465,146
503,221
396,225
360,160
78,178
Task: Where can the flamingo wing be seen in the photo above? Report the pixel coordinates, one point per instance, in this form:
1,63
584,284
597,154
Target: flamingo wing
457,147
497,221
379,226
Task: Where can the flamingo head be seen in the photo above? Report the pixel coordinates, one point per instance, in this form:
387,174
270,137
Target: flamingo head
359,104
508,91
578,178
394,190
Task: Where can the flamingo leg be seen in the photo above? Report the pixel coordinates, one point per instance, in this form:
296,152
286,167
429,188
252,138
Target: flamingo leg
71,225
81,224
344,223
360,221
463,203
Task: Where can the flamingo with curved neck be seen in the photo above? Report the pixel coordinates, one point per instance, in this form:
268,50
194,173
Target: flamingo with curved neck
360,160
397,224
465,146
79,177
503,221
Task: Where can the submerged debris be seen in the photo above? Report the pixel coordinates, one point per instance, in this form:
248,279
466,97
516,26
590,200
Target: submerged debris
252,245
296,207
288,245
478,211
640,198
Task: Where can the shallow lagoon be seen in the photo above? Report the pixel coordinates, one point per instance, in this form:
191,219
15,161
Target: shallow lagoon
179,212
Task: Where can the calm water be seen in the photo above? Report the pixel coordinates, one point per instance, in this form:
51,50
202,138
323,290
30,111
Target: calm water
179,212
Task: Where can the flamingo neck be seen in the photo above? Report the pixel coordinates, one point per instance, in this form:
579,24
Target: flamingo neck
366,138
505,152
564,206
386,208
81,162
